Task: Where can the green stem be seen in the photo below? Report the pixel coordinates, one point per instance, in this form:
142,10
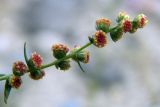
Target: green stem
66,57
112,28
4,77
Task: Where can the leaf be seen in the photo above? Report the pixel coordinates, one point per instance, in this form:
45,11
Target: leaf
25,54
1,75
7,91
90,39
80,66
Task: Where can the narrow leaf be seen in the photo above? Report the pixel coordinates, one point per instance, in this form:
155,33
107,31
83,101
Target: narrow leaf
2,75
25,54
90,39
7,91
80,66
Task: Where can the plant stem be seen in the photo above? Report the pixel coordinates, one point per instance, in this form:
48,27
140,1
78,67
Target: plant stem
112,28
4,77
66,57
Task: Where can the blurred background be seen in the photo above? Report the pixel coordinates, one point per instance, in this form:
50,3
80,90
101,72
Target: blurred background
123,74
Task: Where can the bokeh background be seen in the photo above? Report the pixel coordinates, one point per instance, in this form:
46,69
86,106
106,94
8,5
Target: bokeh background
123,74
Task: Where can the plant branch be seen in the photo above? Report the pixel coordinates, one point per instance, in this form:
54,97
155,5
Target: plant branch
66,57
4,77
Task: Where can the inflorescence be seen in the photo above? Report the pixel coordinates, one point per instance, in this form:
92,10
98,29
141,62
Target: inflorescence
34,65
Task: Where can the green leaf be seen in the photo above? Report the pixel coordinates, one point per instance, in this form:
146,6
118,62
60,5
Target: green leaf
25,54
80,66
1,75
7,91
90,39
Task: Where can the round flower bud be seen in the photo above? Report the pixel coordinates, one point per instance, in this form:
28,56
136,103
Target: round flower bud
141,20
103,24
37,76
82,56
126,25
19,68
99,39
36,59
59,50
63,65
133,30
116,34
134,27
15,81
121,16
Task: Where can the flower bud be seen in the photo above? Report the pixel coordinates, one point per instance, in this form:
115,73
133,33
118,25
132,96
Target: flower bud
19,68
36,60
63,65
134,27
140,20
126,25
82,56
103,24
121,16
59,50
35,63
15,81
116,34
99,39
38,75
133,30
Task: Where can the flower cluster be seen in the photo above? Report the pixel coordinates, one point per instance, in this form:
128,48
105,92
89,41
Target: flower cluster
34,65
99,38
59,50
63,54
125,24
19,69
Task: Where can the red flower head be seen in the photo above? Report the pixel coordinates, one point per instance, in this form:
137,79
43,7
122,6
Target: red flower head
19,68
141,20
99,39
126,25
36,59
15,82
